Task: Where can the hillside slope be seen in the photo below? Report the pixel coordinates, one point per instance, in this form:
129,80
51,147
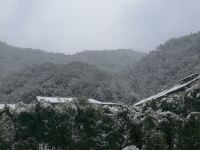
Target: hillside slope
72,80
161,68
13,58
168,123
173,122
109,60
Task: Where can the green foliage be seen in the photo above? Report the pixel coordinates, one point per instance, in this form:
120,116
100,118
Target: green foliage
80,125
190,133
75,125
154,140
6,131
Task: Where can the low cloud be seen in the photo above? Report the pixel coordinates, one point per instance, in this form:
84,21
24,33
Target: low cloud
74,25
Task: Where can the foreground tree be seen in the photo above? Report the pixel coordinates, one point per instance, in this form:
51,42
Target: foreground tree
6,131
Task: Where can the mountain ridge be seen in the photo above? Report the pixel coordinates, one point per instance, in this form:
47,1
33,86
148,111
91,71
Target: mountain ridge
14,58
161,68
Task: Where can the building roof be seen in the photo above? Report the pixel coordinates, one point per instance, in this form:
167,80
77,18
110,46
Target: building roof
57,100
54,99
190,79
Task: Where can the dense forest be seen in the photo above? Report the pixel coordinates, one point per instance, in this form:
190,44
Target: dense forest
72,80
170,123
163,67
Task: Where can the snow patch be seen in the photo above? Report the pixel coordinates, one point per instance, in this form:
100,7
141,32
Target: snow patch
132,147
58,100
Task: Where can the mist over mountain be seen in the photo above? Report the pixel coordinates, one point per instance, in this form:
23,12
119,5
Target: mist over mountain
13,58
109,60
161,68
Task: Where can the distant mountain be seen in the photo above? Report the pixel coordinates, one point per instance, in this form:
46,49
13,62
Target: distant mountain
145,75
13,58
109,60
72,80
171,61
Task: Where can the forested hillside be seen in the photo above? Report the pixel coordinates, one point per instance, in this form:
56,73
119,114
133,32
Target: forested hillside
72,80
13,58
170,123
109,60
161,68
158,70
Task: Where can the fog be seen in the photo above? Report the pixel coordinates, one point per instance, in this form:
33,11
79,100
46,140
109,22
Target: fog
74,25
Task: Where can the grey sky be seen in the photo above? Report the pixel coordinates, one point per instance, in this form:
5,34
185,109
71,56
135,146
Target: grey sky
74,25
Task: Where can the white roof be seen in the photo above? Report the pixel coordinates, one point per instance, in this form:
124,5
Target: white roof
166,92
102,103
64,100
54,99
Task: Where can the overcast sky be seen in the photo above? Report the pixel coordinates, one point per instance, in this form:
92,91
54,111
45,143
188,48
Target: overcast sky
74,25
